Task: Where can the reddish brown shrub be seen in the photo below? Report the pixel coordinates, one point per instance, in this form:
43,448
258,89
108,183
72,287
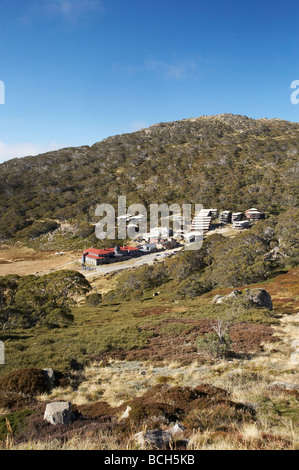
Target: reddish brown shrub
218,415
13,401
26,381
36,429
142,411
202,407
97,410
178,397
205,390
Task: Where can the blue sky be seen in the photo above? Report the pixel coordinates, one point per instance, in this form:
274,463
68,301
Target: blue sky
78,71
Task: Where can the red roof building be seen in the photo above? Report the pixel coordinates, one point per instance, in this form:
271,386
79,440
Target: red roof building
95,257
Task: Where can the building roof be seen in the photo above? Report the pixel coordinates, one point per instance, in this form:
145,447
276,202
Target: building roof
193,233
94,256
252,210
105,251
94,251
241,222
253,213
129,248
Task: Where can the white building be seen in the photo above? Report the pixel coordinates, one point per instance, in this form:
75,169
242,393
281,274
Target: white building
236,216
148,247
193,236
202,221
225,217
240,224
157,232
162,232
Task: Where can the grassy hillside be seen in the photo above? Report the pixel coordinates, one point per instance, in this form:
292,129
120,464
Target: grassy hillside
145,355
226,161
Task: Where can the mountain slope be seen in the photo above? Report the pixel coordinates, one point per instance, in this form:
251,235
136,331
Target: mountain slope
225,161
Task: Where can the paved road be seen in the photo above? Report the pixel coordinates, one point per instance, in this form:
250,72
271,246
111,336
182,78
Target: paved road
145,259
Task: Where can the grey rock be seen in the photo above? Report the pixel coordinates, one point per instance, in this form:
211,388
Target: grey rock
126,414
255,297
295,358
258,298
284,385
49,374
176,429
58,412
220,299
155,439
233,295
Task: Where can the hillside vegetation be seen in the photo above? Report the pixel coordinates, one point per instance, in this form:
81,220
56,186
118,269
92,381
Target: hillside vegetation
204,339
251,256
226,161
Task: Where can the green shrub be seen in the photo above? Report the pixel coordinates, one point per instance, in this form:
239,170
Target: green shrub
192,288
84,230
59,318
175,329
14,422
214,346
163,379
93,300
38,228
27,301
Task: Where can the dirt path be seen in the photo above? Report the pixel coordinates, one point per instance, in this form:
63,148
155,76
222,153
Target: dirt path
133,263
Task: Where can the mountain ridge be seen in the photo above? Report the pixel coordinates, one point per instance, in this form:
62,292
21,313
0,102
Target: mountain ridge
226,161
224,116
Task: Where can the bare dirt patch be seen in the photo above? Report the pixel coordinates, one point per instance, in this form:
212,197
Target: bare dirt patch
23,261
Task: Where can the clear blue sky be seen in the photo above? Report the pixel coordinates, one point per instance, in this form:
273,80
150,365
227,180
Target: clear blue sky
77,71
